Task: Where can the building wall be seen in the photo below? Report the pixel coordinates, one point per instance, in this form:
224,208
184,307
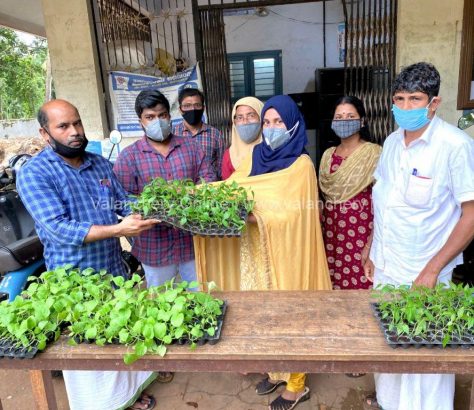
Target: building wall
74,61
427,30
19,128
295,29
430,30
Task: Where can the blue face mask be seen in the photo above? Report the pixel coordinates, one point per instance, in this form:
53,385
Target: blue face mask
346,128
276,137
411,120
158,130
248,132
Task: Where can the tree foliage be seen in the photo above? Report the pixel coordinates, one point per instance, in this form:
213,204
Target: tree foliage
22,75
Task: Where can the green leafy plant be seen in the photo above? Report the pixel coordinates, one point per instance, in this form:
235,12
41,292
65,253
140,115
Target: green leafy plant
99,308
23,75
50,302
441,313
203,205
148,319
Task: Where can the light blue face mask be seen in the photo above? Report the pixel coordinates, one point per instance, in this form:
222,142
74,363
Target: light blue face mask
248,132
276,137
411,120
158,130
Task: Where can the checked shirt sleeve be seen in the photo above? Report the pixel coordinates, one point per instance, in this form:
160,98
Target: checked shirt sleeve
125,172
122,199
220,148
43,202
204,169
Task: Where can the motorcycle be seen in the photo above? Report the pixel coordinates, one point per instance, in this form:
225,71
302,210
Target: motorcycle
21,252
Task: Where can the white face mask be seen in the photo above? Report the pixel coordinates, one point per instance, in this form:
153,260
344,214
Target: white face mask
276,137
158,130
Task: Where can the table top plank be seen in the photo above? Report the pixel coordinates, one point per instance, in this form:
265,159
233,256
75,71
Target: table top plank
314,331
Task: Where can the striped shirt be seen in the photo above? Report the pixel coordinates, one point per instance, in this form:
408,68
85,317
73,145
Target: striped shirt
65,202
137,165
210,140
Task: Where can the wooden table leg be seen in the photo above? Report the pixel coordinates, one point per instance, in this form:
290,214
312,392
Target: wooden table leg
43,391
471,404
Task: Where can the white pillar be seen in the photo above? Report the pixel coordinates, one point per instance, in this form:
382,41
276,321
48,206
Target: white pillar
75,62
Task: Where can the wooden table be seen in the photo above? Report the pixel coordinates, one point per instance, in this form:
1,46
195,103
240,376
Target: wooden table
311,332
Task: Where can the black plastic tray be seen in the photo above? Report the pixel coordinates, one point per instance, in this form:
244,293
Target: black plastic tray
212,340
213,230
7,349
434,338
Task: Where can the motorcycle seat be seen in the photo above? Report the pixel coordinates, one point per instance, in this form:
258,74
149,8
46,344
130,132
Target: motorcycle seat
20,253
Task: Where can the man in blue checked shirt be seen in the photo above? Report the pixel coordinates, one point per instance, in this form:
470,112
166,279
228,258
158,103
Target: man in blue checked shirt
74,198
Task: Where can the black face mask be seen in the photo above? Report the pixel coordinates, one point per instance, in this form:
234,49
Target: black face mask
193,117
65,150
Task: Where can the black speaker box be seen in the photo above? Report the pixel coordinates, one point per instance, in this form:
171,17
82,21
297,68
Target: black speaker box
330,81
307,103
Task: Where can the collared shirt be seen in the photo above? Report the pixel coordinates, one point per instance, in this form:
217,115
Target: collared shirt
417,198
136,166
210,140
65,202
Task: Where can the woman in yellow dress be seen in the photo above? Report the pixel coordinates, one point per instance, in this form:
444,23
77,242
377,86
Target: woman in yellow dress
281,247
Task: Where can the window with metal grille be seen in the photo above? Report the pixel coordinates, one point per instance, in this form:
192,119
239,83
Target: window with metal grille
122,22
256,74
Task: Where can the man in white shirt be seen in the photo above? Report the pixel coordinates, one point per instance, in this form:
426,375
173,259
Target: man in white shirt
423,217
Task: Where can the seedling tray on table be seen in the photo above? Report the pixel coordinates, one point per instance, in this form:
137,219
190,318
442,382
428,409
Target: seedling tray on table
7,349
212,340
433,338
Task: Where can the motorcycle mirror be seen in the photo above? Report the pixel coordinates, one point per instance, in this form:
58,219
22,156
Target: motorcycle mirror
16,162
115,137
466,121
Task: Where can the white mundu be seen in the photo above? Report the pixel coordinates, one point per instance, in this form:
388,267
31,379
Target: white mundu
109,390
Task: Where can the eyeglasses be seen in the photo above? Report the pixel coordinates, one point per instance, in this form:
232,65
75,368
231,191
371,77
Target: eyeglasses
250,117
187,107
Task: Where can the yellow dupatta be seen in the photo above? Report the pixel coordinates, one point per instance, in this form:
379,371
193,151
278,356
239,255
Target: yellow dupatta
353,176
284,250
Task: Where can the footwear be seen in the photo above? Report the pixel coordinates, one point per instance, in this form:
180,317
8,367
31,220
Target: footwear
164,377
56,373
140,400
283,404
355,375
371,403
265,386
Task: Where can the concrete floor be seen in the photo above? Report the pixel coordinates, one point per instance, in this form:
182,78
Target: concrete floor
224,391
